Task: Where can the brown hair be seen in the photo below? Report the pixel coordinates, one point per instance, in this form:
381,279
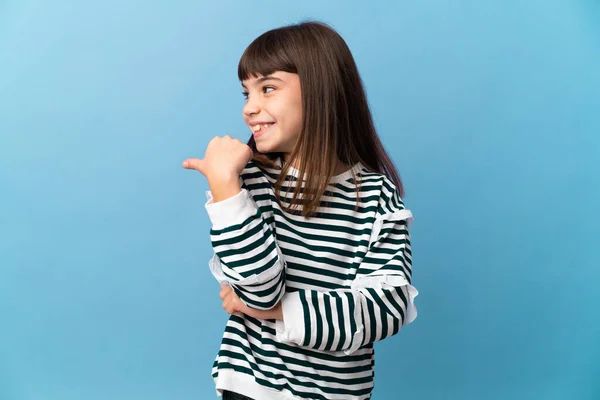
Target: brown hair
336,115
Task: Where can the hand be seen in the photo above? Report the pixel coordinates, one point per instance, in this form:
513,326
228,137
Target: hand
232,304
224,159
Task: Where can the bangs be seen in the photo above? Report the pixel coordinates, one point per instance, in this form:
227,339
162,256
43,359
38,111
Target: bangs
267,54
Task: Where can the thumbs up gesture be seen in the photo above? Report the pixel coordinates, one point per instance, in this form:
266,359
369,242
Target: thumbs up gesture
223,162
224,157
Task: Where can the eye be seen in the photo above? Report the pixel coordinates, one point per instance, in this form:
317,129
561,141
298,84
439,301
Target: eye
245,94
266,89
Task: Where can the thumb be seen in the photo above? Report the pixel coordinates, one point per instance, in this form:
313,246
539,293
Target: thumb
195,163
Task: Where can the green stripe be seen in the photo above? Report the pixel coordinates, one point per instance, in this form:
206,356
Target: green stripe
404,300
342,194
381,250
331,203
373,318
336,217
350,253
223,365
307,325
251,272
390,298
271,249
365,341
296,392
341,331
254,351
394,230
392,268
258,227
323,262
329,319
326,235
319,319
235,227
351,303
383,328
324,227
374,261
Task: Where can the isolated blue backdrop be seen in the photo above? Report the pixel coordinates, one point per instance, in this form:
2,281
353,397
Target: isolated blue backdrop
488,108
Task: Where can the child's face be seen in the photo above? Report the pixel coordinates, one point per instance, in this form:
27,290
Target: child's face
273,111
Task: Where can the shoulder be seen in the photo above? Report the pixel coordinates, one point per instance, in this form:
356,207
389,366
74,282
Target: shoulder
380,185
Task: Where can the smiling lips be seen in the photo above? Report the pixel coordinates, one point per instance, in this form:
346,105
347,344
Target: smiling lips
259,129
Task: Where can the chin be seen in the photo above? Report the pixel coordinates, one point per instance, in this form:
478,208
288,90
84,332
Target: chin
265,148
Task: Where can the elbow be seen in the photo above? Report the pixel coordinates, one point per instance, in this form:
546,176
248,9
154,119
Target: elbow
262,296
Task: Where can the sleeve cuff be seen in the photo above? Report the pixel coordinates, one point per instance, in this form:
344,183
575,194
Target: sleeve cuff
291,328
231,211
391,281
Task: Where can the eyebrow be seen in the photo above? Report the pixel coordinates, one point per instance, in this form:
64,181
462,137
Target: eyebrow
265,78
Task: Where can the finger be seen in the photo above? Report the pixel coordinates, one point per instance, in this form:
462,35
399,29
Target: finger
225,291
237,305
230,303
229,307
230,298
194,163
225,305
222,294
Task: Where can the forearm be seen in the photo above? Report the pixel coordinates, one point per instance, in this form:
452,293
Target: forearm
342,320
246,250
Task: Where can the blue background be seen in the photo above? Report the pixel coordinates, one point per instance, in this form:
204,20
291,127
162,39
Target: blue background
489,108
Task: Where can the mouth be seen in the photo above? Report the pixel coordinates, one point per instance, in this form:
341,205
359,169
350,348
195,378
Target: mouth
260,129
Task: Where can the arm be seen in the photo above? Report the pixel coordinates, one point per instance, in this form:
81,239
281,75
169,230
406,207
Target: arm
376,306
245,250
246,253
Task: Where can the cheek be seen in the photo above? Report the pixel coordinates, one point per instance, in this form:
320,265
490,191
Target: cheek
292,119
298,112
296,123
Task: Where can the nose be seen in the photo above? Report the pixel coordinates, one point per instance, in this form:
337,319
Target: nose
251,107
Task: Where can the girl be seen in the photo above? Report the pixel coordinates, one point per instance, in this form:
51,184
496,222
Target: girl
308,227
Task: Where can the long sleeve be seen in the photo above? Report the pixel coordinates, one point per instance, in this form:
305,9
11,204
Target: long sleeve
376,306
246,253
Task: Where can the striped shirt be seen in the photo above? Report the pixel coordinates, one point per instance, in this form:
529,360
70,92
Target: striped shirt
343,278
